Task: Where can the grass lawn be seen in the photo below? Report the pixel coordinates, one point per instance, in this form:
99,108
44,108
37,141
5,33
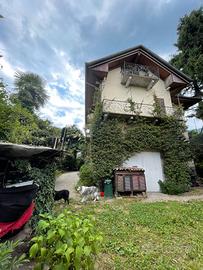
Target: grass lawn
165,235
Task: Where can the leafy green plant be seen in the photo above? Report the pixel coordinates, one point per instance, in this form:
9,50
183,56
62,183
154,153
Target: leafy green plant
171,187
134,107
68,241
7,261
45,178
86,175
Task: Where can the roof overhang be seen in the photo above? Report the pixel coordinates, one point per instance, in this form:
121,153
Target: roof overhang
186,102
98,69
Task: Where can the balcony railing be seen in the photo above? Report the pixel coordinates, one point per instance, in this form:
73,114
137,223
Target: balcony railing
139,75
127,108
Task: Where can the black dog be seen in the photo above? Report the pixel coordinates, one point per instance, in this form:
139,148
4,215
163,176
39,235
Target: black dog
62,194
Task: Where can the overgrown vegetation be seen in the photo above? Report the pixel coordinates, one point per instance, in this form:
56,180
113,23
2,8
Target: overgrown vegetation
196,140
43,175
45,178
73,142
189,58
87,175
7,260
18,124
116,139
67,241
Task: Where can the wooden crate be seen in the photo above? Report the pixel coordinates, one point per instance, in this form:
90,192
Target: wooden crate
130,181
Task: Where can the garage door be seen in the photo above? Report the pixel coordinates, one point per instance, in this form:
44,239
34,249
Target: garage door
152,164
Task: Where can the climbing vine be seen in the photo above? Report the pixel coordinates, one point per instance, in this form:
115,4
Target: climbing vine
115,139
43,175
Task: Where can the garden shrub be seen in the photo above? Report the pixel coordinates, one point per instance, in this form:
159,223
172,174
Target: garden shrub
173,188
7,260
68,241
86,175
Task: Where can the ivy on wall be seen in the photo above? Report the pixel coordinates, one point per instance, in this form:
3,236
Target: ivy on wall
43,175
115,139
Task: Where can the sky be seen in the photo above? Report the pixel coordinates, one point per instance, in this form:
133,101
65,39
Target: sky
54,38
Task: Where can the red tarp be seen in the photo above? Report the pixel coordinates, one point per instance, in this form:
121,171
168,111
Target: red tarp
6,227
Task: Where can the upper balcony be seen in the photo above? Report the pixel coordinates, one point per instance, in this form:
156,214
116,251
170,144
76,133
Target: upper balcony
139,75
132,108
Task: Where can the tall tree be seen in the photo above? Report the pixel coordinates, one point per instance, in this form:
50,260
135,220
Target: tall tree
30,90
16,123
190,48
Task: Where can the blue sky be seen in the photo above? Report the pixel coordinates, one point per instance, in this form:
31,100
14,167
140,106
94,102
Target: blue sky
54,38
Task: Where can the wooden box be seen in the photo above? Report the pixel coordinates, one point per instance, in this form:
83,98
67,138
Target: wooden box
130,180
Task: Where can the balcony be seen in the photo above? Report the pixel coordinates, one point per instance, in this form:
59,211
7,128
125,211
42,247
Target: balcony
127,108
139,75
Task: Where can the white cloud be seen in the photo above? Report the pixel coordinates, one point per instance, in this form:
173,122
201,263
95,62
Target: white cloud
6,68
71,83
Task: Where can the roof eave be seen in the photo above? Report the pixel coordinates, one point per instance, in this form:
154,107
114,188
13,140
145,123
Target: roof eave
145,50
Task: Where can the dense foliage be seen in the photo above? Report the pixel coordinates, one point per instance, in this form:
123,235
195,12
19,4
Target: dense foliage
42,173
45,178
73,143
7,260
20,125
31,92
115,139
67,241
16,123
87,175
190,48
196,140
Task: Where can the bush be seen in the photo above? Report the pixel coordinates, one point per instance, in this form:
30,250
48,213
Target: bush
68,241
173,188
86,175
7,261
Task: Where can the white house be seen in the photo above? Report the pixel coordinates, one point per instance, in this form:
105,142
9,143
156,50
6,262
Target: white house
128,82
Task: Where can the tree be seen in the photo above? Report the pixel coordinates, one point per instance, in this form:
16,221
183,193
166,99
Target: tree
189,58
73,142
5,111
30,91
16,123
45,133
199,111
196,140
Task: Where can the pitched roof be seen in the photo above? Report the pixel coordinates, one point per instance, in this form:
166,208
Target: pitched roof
133,50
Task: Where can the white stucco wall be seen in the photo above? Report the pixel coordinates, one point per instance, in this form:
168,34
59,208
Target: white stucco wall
152,163
114,90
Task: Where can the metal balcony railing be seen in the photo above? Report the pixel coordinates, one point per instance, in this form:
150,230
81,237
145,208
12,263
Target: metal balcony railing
141,70
127,108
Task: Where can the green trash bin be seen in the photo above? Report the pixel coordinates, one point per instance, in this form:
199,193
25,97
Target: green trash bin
108,189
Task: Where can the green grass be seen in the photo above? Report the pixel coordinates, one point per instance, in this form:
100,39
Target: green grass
165,235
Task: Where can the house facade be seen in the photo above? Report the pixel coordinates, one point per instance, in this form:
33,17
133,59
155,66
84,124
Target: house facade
129,83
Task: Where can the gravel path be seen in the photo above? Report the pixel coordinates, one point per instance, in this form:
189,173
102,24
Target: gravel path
68,181
159,197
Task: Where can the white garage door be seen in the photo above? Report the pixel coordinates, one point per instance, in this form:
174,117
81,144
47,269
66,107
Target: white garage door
152,164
